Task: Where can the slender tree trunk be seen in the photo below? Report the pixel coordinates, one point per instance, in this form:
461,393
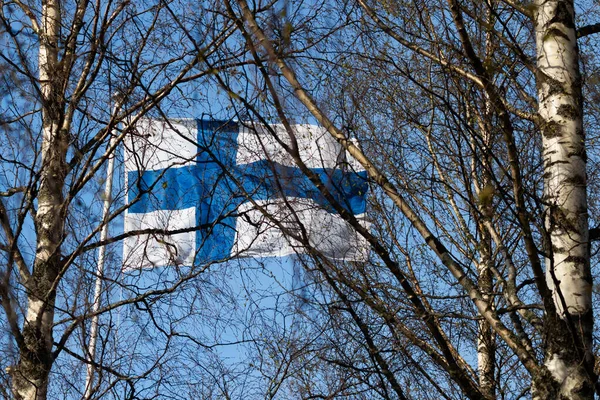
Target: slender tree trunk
485,338
30,377
569,327
486,348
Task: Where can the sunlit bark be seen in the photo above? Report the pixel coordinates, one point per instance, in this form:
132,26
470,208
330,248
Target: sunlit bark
569,349
30,379
564,330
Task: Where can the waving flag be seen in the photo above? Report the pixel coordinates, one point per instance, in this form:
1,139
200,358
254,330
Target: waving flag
201,191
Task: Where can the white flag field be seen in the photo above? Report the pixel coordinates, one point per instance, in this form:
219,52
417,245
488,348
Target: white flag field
206,191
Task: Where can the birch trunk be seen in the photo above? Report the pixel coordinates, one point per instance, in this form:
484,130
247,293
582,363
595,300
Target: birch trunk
481,170
30,377
568,333
486,349
485,337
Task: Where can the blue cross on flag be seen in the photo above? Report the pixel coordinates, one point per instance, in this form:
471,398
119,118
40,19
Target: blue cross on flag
203,191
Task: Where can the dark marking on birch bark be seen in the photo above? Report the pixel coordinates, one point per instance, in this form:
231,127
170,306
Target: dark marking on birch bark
575,259
568,111
560,220
556,162
552,129
576,180
553,86
558,250
562,15
578,153
555,32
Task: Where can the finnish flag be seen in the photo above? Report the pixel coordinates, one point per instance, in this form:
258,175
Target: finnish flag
205,191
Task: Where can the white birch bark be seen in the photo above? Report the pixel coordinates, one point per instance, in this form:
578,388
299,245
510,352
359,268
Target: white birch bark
568,354
30,377
485,336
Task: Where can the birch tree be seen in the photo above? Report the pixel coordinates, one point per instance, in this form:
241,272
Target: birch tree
76,76
470,118
569,356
